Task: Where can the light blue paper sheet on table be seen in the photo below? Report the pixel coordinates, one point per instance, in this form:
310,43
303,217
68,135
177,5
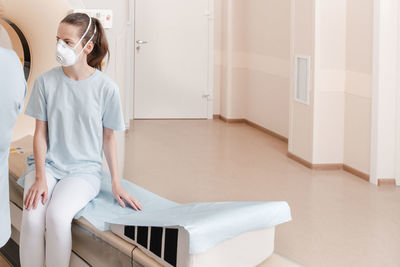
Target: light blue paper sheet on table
208,224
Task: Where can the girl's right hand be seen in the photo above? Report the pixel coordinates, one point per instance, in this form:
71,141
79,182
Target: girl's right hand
37,190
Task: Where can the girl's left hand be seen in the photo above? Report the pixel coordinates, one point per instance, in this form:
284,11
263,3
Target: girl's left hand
120,194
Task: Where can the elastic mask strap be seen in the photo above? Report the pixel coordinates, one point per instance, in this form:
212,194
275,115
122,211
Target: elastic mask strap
89,40
87,29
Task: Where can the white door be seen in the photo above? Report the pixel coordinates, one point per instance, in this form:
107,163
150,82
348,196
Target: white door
172,69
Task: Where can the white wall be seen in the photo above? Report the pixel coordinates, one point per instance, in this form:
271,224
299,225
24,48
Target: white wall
302,43
265,61
253,61
317,129
335,127
330,80
359,41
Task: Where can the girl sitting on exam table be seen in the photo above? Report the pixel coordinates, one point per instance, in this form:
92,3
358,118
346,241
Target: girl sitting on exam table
77,109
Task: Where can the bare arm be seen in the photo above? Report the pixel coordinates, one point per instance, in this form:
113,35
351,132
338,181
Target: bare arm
110,151
40,148
39,188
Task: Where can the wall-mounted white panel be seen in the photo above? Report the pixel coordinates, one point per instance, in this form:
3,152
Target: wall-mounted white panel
302,81
104,15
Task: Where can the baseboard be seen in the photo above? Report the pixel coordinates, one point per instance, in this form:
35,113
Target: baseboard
318,167
356,172
328,167
391,181
254,125
222,118
265,130
336,166
300,160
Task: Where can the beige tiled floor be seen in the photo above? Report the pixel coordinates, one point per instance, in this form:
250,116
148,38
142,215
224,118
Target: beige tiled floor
276,260
338,219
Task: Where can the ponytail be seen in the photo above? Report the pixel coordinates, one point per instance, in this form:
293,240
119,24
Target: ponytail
100,48
100,44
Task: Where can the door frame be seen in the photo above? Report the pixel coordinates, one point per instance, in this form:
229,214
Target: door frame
397,157
211,63
210,76
376,89
374,95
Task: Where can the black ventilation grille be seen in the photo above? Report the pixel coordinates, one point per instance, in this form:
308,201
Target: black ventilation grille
129,231
156,240
171,246
142,234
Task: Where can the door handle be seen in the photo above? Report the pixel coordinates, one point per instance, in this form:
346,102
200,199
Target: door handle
140,43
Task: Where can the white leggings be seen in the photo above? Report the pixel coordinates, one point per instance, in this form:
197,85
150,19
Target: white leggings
45,238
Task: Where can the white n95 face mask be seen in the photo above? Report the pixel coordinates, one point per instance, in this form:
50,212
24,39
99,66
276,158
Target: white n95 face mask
67,55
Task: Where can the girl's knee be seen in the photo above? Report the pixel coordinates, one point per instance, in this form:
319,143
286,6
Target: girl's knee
33,220
55,217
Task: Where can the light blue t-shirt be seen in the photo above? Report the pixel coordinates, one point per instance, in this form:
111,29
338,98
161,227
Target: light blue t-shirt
76,112
12,94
